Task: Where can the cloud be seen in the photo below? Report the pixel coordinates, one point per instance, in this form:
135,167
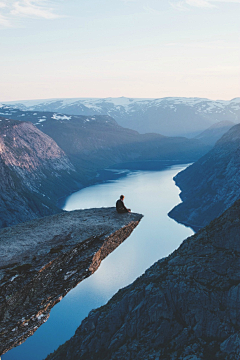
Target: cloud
185,4
32,8
199,3
4,21
10,10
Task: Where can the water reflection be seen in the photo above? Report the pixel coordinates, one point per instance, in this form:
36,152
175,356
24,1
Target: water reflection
152,193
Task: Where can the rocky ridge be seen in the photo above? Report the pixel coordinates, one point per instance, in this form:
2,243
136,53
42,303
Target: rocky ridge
34,173
186,306
211,184
43,259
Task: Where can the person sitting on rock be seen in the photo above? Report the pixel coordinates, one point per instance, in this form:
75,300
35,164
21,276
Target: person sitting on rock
120,207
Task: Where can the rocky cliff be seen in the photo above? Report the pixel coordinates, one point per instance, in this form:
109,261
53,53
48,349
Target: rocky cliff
185,307
34,173
211,184
41,260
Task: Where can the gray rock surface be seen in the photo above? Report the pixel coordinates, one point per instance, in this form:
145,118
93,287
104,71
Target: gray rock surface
185,307
211,184
41,260
34,172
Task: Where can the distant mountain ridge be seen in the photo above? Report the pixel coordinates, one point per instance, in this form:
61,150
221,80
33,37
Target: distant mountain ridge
167,116
211,135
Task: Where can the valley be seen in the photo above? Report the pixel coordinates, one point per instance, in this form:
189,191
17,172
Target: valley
51,154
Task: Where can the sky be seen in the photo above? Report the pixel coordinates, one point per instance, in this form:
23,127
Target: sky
112,48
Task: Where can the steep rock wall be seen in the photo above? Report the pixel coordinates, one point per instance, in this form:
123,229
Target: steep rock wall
211,184
34,173
186,306
43,259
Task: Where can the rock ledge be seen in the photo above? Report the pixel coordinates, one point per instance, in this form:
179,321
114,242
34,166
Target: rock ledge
43,259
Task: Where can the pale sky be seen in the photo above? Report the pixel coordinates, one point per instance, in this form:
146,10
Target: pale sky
111,48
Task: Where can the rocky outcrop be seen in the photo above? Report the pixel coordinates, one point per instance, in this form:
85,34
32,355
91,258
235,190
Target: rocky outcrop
211,184
186,306
41,260
34,173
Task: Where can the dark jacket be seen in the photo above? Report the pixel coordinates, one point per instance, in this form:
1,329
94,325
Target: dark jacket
120,207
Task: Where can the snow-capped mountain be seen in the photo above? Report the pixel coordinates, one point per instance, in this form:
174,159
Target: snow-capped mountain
170,116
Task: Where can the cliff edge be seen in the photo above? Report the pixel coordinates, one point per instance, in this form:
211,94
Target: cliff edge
185,307
210,185
43,259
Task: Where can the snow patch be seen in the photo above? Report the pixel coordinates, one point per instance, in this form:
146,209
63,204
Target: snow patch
61,117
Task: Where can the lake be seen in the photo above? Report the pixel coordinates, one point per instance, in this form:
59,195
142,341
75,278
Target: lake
151,193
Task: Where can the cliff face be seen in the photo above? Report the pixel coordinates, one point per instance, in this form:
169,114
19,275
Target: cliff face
186,306
41,260
210,185
34,173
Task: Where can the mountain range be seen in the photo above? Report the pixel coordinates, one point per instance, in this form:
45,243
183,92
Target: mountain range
95,142
167,116
50,155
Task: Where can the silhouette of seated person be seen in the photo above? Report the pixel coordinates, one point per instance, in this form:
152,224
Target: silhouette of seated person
120,207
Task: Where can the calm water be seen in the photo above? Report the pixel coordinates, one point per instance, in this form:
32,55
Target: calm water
151,193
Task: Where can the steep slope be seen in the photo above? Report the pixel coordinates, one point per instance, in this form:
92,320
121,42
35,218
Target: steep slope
168,116
211,135
96,142
58,251
34,173
186,306
210,185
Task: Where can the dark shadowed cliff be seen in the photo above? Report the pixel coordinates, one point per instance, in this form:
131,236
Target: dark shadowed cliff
186,306
34,173
41,260
210,185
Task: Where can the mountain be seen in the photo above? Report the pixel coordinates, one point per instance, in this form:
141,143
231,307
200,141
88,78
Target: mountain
186,306
211,135
58,251
168,116
93,143
34,173
211,184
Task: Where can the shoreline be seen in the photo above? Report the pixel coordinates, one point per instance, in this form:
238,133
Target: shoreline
121,170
